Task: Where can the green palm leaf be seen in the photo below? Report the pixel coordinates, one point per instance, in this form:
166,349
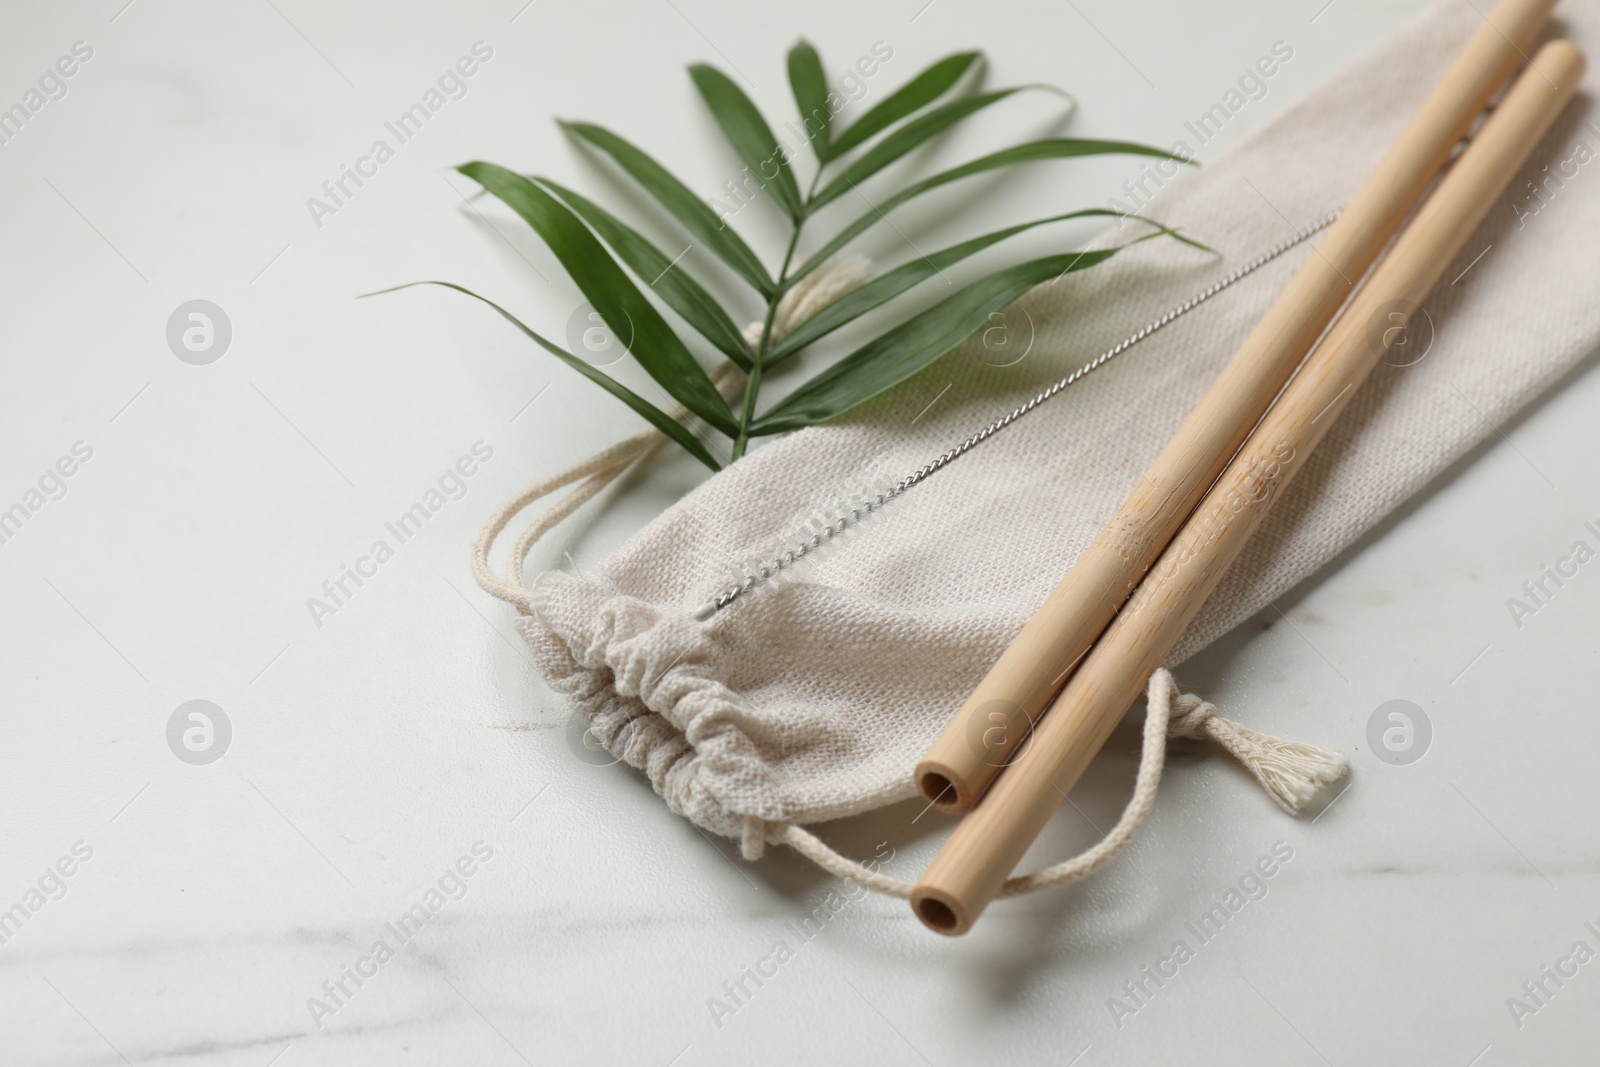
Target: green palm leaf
680,291
890,285
690,211
810,86
903,140
917,342
614,296
608,258
654,415
1030,152
749,133
916,94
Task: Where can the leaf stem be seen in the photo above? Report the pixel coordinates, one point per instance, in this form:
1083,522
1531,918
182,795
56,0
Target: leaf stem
752,385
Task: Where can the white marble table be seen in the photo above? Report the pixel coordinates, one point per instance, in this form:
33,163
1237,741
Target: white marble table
226,913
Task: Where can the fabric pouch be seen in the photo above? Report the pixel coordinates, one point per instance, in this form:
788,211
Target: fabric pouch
812,697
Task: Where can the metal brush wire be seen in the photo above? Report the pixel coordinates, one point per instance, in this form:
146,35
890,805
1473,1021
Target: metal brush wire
841,519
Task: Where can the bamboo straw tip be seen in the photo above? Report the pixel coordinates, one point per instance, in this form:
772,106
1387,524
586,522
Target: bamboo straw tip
940,912
943,787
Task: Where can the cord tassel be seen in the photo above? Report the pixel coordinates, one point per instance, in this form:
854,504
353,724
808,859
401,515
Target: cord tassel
1292,773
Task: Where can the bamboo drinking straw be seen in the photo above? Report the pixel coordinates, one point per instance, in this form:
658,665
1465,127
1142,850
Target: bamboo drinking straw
981,738
988,843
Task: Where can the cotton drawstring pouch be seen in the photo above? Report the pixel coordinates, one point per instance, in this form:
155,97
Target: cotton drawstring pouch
856,618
